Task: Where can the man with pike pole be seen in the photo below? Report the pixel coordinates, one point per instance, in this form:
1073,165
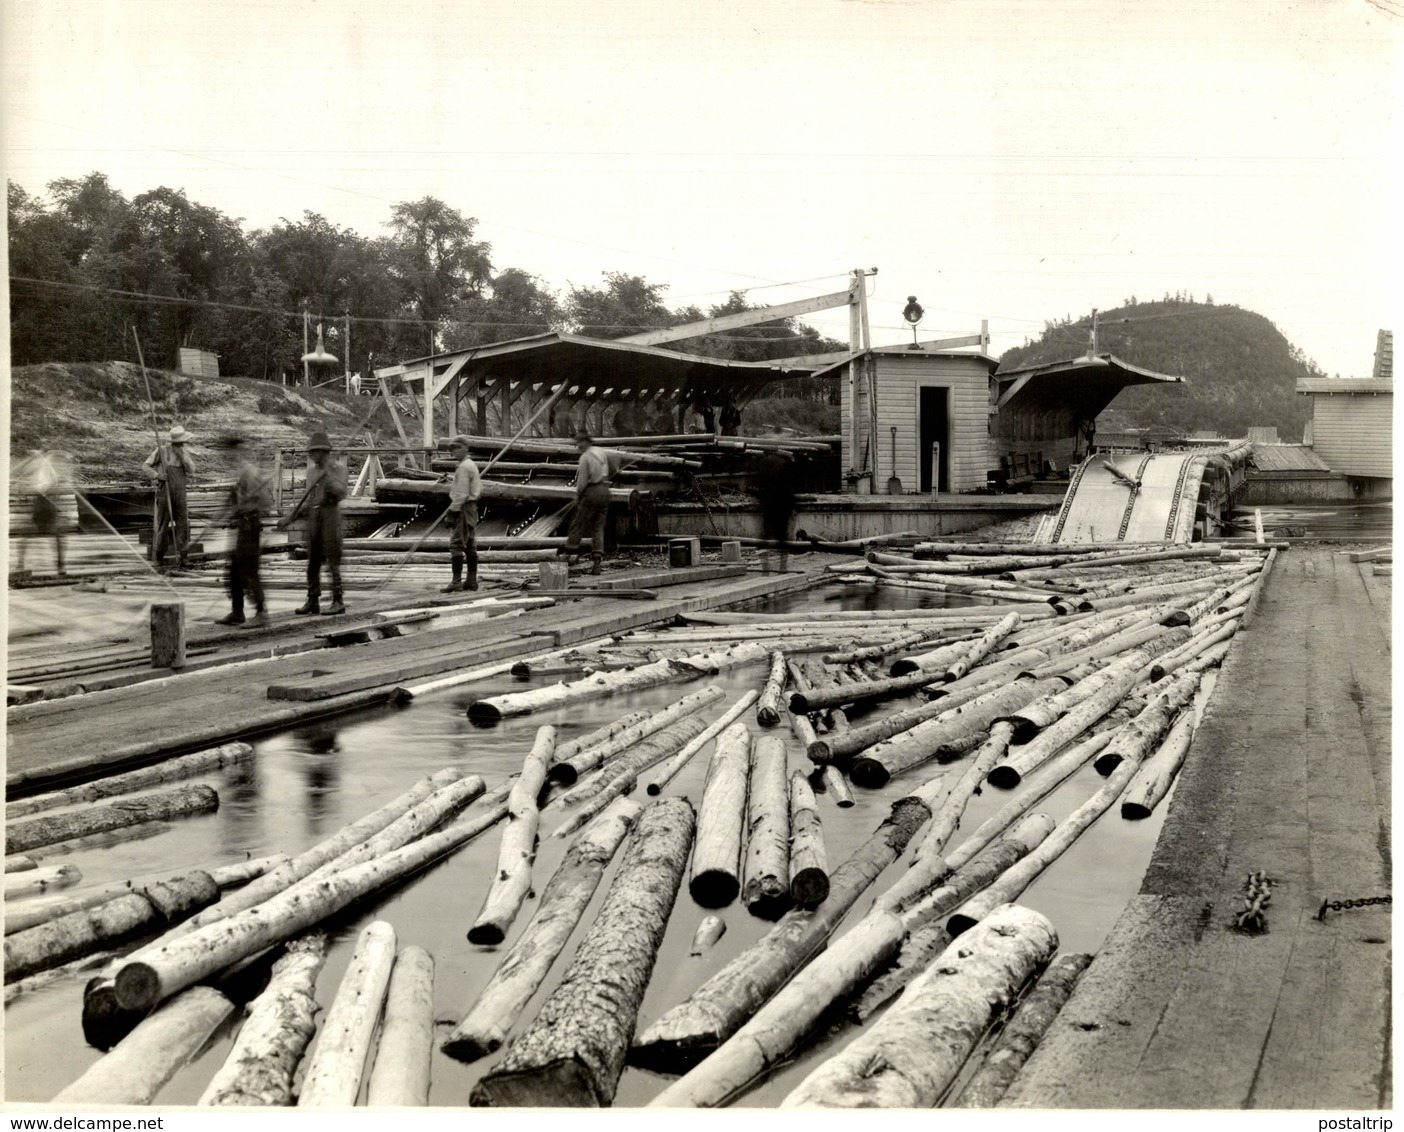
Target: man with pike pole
326,488
248,499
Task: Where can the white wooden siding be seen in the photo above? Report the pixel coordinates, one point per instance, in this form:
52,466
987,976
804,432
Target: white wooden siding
1352,432
899,381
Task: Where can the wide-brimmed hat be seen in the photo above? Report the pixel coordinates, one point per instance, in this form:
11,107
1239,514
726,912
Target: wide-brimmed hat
320,442
584,434
179,435
459,441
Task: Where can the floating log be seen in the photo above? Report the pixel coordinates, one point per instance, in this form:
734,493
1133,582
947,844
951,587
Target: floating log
919,950
836,786
713,1012
809,863
913,1054
1021,1034
1043,712
169,965
393,489
1258,590
765,889
54,974
573,1052
768,710
1009,886
336,1066
933,661
837,748
521,973
780,1025
36,881
836,695
982,647
711,929
682,758
952,807
172,770
1138,737
400,1075
82,932
804,731
721,820
328,849
137,1068
263,1062
569,770
33,833
882,650
949,733
625,777
607,683
936,549
20,863
565,752
1053,738
511,879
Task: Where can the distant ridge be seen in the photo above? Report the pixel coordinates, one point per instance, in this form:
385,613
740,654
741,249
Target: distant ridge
1240,370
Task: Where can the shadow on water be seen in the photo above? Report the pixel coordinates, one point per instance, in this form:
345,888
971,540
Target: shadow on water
1367,522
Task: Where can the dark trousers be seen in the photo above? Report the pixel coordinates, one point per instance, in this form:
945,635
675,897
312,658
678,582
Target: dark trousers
463,534
590,511
171,534
244,565
324,547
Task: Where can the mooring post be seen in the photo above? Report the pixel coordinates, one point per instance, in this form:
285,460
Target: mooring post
168,634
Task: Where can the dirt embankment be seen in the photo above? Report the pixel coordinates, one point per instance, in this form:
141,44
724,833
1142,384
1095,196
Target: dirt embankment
98,413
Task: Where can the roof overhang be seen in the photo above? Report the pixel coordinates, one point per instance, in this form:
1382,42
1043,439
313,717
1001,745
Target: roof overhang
598,366
1086,385
1344,385
841,360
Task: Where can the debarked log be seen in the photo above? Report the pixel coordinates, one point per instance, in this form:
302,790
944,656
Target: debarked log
913,1054
484,1028
769,708
765,889
22,836
1136,738
281,1021
400,1074
1021,1034
338,1062
565,752
716,862
836,787
675,764
569,770
982,647
511,880
135,1070
573,1052
717,1009
1153,780
172,770
82,932
711,929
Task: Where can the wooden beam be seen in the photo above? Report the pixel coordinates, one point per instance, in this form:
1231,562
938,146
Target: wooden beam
395,416
1008,394
744,318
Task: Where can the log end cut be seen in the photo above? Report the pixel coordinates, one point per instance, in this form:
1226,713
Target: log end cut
1004,777
1106,762
563,1083
138,986
1134,811
714,888
868,773
470,1047
105,1023
486,935
809,887
484,711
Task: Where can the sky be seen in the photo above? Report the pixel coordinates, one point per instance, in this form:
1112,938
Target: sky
1011,161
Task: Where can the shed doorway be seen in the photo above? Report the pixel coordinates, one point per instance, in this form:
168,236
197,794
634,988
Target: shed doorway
934,427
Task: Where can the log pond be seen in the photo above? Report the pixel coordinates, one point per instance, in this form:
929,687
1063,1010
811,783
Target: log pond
305,783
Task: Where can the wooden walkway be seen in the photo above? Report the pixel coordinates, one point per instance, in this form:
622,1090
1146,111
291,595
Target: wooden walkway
1290,774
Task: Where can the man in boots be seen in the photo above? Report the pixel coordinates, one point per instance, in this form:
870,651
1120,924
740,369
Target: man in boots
463,517
171,467
243,510
326,488
593,477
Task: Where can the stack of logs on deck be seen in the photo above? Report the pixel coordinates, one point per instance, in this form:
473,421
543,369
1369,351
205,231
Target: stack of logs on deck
543,471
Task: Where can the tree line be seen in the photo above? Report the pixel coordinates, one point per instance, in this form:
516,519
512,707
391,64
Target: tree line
87,264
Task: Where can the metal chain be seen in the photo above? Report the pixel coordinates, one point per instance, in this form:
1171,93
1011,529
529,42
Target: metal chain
1257,894
1343,905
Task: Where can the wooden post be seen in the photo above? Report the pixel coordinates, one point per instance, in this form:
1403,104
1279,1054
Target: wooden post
168,634
731,551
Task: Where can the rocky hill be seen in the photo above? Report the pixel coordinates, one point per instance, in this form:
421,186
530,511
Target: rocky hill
98,413
1240,371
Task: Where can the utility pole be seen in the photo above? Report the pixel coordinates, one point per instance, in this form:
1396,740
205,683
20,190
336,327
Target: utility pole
306,348
347,353
1092,338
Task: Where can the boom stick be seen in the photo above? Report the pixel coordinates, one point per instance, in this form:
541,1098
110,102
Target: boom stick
156,534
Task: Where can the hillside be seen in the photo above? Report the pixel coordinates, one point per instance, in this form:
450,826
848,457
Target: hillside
1239,369
99,414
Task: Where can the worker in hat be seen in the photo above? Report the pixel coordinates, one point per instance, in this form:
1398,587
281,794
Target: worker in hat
463,517
48,479
593,477
171,467
243,510
326,488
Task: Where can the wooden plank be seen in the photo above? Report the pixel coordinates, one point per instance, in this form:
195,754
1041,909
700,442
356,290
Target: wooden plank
659,578
387,673
744,318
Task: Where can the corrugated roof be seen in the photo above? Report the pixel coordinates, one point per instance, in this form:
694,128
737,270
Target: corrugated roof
1287,458
1343,385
